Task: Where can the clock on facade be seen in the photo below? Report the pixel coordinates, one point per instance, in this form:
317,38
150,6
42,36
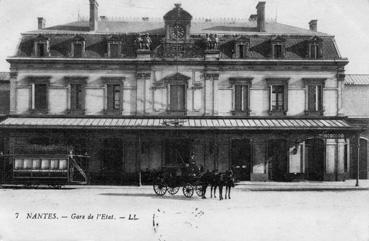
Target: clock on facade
177,32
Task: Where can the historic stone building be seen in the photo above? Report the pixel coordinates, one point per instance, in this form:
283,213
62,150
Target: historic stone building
262,98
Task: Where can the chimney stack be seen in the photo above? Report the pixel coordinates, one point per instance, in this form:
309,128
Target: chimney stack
94,16
313,25
260,10
41,22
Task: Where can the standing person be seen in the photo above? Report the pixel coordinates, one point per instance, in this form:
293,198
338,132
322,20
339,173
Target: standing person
229,183
220,178
204,179
213,183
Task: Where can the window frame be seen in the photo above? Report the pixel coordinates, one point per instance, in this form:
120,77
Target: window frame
244,82
278,82
46,48
308,82
39,80
119,48
318,44
76,80
78,40
278,41
178,111
245,44
113,81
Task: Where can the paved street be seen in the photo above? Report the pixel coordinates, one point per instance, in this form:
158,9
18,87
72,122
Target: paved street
257,211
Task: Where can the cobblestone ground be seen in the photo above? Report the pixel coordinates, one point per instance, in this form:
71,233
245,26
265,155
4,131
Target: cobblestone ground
131,213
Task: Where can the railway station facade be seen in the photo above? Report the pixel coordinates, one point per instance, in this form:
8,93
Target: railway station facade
262,98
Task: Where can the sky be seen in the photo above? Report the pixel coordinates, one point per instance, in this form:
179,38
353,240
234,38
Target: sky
347,20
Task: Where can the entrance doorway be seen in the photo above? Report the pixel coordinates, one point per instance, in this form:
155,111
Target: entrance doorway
241,158
112,161
315,153
277,160
177,151
363,165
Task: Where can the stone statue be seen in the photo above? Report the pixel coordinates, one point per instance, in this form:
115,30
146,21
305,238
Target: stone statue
143,41
212,41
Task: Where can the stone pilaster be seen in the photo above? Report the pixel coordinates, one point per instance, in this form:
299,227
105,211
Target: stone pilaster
330,160
13,94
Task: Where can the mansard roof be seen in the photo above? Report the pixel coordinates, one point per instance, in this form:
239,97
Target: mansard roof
259,47
198,27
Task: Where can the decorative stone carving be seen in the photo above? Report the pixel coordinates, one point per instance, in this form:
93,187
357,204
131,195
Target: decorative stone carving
143,41
143,75
212,41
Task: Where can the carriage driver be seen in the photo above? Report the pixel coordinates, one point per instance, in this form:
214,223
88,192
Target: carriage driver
194,169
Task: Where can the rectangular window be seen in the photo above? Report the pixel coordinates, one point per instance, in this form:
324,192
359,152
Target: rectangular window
277,97
76,97
277,51
41,49
114,97
114,50
177,97
241,98
315,98
40,97
78,50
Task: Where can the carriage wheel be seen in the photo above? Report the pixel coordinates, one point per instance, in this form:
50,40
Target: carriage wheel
160,189
199,191
173,190
188,190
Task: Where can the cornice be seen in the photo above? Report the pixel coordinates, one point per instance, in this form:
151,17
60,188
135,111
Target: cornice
190,61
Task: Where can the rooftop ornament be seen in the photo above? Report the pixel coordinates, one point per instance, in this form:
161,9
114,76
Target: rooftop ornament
143,41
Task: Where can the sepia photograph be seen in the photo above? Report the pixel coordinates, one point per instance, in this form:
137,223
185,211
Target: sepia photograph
171,120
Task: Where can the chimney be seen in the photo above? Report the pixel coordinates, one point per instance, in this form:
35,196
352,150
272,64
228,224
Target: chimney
94,16
313,25
41,22
260,10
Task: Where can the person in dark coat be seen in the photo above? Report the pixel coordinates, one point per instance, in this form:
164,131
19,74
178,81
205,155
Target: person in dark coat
229,183
213,183
204,179
220,182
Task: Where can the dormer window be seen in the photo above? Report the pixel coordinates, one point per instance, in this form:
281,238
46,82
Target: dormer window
278,47
242,48
41,46
315,48
114,47
277,51
78,47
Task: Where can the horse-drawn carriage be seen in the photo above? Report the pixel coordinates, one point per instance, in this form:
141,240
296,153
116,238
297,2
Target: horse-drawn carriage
172,178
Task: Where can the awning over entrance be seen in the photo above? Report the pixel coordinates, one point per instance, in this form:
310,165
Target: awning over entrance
185,123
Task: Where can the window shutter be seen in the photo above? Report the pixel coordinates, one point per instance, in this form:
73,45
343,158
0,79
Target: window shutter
110,97
320,97
237,50
311,98
238,97
320,50
285,98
